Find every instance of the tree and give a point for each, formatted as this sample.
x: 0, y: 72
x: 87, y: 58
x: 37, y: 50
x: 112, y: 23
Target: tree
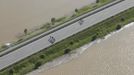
x: 53, y: 20
x: 25, y: 31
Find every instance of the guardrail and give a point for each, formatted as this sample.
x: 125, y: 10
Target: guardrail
x: 59, y: 27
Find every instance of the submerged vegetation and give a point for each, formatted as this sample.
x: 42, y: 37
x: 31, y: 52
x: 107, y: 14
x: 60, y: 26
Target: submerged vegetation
x: 90, y: 34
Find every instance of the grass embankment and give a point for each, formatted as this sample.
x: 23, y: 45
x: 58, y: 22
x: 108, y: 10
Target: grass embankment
x: 57, y: 22
x: 90, y: 34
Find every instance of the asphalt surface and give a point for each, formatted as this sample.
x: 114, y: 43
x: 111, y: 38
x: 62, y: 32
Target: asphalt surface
x: 60, y: 34
x: 53, y: 30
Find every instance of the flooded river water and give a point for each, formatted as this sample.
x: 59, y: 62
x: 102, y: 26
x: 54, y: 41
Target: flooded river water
x: 16, y: 15
x: 111, y: 56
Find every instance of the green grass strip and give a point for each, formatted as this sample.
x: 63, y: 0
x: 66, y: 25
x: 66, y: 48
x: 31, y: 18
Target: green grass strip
x: 90, y: 34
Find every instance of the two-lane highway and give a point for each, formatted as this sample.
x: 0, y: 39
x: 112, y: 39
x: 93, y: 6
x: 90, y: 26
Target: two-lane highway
x: 58, y: 35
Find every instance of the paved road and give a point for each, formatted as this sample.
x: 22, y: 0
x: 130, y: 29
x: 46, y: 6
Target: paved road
x: 46, y: 33
x: 37, y: 45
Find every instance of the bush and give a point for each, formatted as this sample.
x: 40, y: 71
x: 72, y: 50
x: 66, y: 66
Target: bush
x: 118, y: 27
x: 76, y: 10
x: 20, y: 40
x: 42, y: 56
x: 53, y: 20
x: 25, y: 31
x: 94, y: 37
x: 4, y: 46
x: 97, y: 1
x: 66, y: 51
x: 76, y: 40
x: 71, y: 43
x: 122, y: 19
x: 38, y: 64
x: 11, y: 71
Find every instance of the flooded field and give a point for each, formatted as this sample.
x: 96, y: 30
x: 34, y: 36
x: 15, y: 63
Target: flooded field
x: 113, y: 55
x: 16, y: 15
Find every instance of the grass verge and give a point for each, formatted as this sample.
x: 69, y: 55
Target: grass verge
x: 90, y: 34
x: 59, y: 21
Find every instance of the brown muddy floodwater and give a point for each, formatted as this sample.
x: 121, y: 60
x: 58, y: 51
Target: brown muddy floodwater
x: 16, y: 15
x: 111, y: 56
